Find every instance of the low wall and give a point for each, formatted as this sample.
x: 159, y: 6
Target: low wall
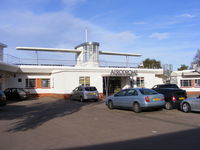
x: 193, y: 94
x: 65, y: 96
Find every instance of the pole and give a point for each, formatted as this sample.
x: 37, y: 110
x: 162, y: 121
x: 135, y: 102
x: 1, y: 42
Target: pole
x: 36, y: 56
x: 86, y: 35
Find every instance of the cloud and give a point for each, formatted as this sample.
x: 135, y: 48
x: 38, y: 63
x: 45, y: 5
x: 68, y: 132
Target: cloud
x: 186, y: 15
x: 56, y: 30
x: 159, y: 36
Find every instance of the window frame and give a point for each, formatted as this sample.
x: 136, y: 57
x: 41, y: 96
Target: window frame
x: 189, y: 83
x: 28, y: 83
x: 140, y: 82
x: 48, y: 83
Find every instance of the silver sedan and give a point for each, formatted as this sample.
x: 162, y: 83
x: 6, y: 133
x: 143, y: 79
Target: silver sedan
x: 190, y: 104
x: 136, y: 99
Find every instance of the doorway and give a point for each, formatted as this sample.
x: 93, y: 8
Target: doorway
x: 111, y: 85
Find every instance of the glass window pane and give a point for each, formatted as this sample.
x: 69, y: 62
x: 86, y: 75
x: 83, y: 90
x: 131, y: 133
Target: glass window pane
x: 45, y: 83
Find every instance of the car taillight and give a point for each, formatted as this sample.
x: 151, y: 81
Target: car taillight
x: 173, y: 98
x: 163, y: 98
x: 147, y: 99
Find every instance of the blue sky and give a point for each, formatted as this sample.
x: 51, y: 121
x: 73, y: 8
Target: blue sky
x: 165, y: 30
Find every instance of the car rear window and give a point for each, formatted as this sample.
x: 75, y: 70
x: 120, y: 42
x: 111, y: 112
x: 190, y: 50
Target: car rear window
x: 90, y: 89
x: 148, y: 92
x: 168, y: 86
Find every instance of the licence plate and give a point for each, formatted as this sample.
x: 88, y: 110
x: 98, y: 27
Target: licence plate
x: 156, y: 99
x: 91, y: 93
x: 181, y: 98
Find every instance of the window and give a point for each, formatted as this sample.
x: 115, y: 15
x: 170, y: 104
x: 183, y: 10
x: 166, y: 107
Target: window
x: 197, y: 82
x: 121, y: 93
x: 19, y: 80
x: 45, y: 83
x: 147, y: 92
x: 79, y: 89
x: 186, y: 83
x: 84, y: 81
x: 132, y: 92
x: 90, y: 89
x: 30, y: 83
x: 140, y: 81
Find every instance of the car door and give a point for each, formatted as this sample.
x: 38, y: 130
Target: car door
x: 80, y: 92
x: 119, y: 98
x: 196, y: 103
x: 8, y: 93
x: 74, y: 93
x: 15, y: 93
x: 130, y: 97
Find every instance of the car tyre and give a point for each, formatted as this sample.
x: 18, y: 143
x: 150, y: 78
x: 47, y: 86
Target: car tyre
x: 110, y: 105
x: 168, y: 106
x: 96, y: 100
x: 81, y: 99
x: 186, y: 107
x: 137, y: 108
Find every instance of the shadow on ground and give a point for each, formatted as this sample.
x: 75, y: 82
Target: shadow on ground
x: 30, y: 116
x: 184, y: 140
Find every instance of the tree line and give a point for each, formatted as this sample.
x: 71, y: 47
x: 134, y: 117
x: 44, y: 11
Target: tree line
x: 155, y: 64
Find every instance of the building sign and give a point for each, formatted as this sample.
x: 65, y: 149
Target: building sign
x: 122, y: 73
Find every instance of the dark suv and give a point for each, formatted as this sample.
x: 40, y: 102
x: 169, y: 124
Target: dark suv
x: 85, y: 93
x: 173, y: 94
x: 16, y: 94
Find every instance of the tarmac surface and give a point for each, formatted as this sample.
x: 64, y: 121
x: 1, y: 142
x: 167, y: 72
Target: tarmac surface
x: 58, y: 124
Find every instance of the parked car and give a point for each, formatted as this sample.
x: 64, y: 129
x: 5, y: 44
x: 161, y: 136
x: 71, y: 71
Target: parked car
x: 2, y: 98
x: 83, y: 93
x: 16, y: 94
x: 136, y: 99
x: 173, y: 95
x: 190, y: 104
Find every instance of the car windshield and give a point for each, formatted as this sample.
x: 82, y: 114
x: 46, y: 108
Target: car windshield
x: 21, y: 91
x: 148, y: 92
x: 90, y: 88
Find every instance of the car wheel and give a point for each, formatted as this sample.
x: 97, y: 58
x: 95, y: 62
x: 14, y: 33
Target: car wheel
x: 168, y: 106
x: 70, y: 97
x: 81, y: 99
x: 137, y: 108
x: 110, y: 104
x: 186, y: 107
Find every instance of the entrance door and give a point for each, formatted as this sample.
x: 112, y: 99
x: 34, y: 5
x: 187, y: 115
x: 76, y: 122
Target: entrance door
x: 111, y: 85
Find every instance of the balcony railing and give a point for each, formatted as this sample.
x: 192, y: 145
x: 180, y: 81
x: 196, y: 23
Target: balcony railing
x: 55, y: 62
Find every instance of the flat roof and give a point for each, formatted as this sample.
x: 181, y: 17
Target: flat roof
x: 2, y: 45
x: 87, y: 43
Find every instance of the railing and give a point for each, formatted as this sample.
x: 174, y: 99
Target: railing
x: 54, y: 62
x: 9, y: 59
x: 119, y: 64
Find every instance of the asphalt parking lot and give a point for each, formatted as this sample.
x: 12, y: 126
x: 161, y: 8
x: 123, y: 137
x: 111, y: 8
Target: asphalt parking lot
x: 57, y: 124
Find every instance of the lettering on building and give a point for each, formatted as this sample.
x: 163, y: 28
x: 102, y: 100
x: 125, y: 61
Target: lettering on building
x: 122, y: 73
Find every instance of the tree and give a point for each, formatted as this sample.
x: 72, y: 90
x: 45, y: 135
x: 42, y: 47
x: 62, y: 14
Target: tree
x: 151, y: 63
x: 183, y: 67
x: 196, y: 59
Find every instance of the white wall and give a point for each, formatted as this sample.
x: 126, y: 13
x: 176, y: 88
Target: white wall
x: 13, y: 82
x: 150, y: 79
x: 65, y: 82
